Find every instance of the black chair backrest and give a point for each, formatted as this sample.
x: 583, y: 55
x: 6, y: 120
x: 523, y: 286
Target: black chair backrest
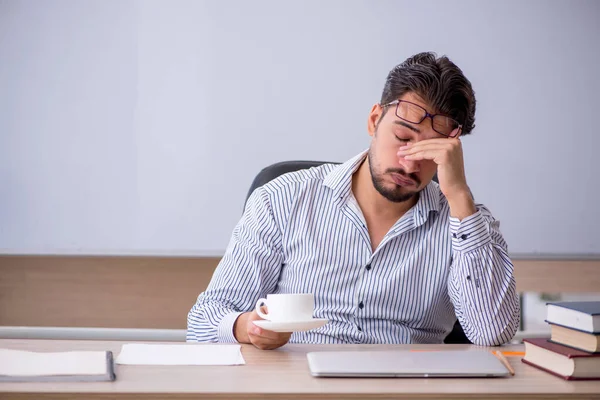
x: 274, y: 170
x: 457, y: 335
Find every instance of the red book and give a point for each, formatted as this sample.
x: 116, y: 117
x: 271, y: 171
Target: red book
x: 565, y: 362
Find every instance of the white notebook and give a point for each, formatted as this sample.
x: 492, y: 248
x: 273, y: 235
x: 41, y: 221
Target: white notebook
x: 80, y: 366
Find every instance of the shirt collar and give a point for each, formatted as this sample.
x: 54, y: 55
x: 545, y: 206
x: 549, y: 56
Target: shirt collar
x: 339, y: 179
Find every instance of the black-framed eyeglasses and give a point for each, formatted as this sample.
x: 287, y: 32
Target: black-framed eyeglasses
x: 415, y: 114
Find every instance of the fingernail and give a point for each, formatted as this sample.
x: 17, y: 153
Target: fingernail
x: 256, y: 330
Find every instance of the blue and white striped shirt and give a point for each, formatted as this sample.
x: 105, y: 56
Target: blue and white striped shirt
x: 304, y: 233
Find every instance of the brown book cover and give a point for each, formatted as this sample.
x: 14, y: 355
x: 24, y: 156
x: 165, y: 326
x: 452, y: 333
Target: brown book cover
x: 560, y: 349
x: 568, y: 378
x: 554, y: 358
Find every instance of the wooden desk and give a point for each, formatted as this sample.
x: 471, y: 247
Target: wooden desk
x: 284, y: 373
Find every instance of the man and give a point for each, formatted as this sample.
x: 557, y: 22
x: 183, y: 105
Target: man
x: 390, y: 255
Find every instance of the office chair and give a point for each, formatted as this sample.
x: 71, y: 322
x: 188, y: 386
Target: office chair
x: 457, y: 335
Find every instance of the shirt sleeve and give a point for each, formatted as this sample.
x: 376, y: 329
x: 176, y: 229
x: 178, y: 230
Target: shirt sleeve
x: 248, y: 271
x: 482, y: 283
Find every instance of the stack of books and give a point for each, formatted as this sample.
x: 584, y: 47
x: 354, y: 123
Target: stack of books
x: 573, y: 350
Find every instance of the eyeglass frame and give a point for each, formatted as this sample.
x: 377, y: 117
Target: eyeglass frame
x: 427, y: 115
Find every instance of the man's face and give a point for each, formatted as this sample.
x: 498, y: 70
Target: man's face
x: 395, y: 178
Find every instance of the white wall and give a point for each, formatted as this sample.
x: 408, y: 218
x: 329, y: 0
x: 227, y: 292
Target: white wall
x: 137, y: 126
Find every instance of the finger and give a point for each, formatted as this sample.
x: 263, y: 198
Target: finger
x: 440, y: 144
x: 427, y: 142
x: 254, y: 315
x: 280, y: 341
x: 266, y: 343
x: 422, y: 146
x: 417, y: 148
x: 423, y: 155
x: 279, y: 338
x: 263, y: 333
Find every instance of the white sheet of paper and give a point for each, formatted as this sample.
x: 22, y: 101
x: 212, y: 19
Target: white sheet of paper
x: 180, y: 354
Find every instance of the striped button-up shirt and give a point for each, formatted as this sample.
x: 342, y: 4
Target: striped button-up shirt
x: 304, y: 232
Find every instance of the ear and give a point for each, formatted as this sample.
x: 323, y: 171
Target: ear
x: 374, y: 117
x: 458, y: 135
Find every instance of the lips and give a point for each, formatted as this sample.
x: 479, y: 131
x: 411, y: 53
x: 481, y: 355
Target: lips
x: 402, y: 181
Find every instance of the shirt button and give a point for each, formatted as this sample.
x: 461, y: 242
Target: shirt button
x: 463, y: 237
x: 454, y: 235
x: 361, y: 305
x: 359, y: 328
x: 368, y: 267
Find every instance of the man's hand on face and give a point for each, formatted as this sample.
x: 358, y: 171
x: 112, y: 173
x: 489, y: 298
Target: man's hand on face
x: 447, y: 154
x: 246, y: 332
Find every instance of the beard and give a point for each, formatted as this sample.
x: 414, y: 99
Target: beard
x: 395, y: 193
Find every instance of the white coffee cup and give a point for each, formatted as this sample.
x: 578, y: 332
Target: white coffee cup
x: 287, y: 307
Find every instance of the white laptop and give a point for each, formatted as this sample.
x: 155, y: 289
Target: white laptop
x: 406, y: 363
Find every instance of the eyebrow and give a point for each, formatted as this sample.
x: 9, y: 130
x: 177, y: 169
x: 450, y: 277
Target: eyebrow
x: 412, y: 128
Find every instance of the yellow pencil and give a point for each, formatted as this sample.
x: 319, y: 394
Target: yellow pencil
x: 513, y: 353
x: 504, y: 361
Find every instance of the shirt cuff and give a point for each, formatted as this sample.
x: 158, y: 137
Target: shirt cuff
x: 470, y: 233
x: 225, y: 330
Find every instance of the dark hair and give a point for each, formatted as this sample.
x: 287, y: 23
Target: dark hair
x: 439, y: 82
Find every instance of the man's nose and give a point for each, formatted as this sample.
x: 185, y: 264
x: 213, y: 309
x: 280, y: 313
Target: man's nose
x: 410, y: 166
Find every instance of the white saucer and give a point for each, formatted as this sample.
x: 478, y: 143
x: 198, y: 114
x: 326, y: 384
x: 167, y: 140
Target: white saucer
x: 295, y: 326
